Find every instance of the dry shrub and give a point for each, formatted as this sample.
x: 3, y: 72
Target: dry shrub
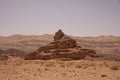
x: 115, y: 67
x: 103, y: 75
x: 78, y: 66
x: 50, y: 64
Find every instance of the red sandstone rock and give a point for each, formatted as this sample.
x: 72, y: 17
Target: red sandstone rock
x: 62, y: 47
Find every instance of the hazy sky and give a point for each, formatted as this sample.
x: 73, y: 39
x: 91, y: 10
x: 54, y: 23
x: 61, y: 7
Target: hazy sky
x: 75, y: 17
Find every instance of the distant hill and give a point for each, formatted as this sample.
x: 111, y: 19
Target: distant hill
x: 28, y: 43
x: 6, y: 54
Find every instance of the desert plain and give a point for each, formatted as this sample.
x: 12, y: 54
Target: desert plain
x: 59, y: 70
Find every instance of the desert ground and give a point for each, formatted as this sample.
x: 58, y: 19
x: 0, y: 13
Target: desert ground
x: 59, y: 70
x: 103, y: 66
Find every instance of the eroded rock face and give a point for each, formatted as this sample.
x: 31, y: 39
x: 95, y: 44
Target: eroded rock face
x: 61, y: 41
x: 58, y: 35
x: 62, y: 47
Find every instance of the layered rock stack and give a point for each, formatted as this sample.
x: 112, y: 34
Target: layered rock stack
x: 62, y: 47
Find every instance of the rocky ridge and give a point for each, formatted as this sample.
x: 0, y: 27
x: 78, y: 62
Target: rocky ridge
x: 63, y: 46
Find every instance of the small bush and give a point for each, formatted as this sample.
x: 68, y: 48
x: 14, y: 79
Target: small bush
x: 114, y: 68
x: 78, y: 66
x: 62, y: 65
x: 103, y: 75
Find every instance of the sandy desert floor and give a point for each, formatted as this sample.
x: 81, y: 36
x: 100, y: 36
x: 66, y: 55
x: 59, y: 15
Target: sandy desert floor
x: 59, y: 70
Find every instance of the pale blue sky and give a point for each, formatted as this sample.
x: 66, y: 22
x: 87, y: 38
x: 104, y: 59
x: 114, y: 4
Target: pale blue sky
x: 75, y: 17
